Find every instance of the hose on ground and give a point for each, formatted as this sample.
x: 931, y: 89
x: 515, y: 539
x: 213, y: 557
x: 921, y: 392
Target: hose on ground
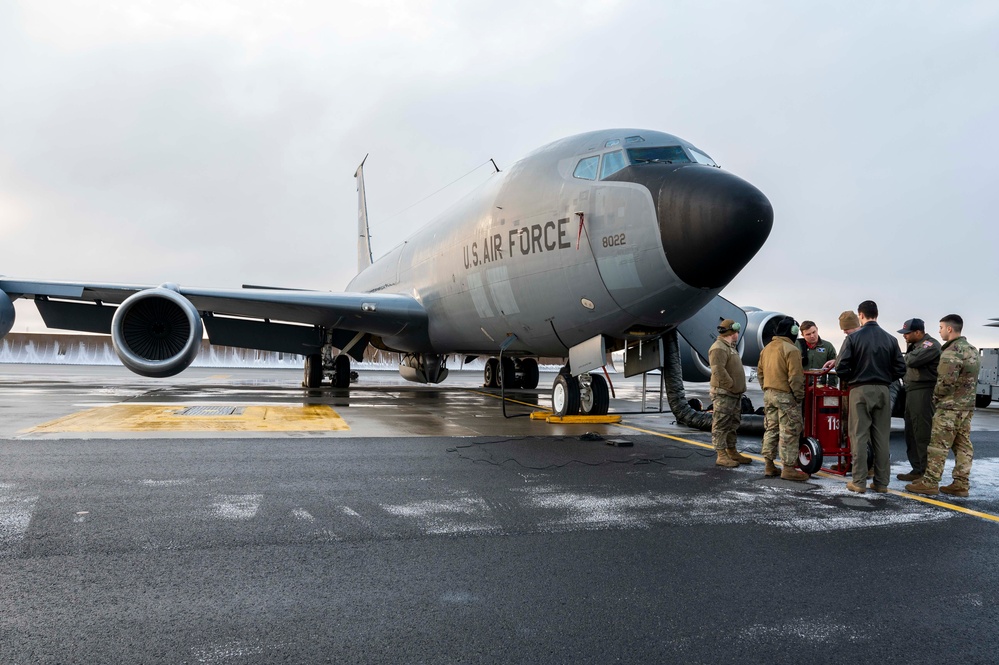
x: 676, y: 396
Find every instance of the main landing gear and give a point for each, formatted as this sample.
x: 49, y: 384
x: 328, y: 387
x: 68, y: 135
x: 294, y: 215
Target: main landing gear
x: 315, y: 369
x: 519, y: 373
x: 586, y: 394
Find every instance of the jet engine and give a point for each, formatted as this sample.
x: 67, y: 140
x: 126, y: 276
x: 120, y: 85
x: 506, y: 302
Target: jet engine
x: 695, y: 368
x: 759, y: 332
x: 423, y: 367
x: 157, y: 332
x: 6, y: 314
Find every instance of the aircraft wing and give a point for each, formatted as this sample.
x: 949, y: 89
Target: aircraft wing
x: 237, y: 317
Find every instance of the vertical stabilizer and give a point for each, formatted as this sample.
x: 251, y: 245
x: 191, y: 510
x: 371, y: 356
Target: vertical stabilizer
x: 363, y: 233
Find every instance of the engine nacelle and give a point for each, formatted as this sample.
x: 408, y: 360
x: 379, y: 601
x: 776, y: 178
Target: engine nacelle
x: 7, y: 314
x: 759, y: 332
x: 157, y: 332
x: 695, y: 368
x: 423, y: 368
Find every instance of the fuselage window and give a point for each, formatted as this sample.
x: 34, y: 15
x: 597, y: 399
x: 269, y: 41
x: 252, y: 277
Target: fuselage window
x: 587, y: 168
x: 669, y: 154
x: 701, y: 158
x: 613, y: 162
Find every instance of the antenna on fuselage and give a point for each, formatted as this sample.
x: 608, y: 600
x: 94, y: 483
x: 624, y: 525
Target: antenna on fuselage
x: 363, y: 232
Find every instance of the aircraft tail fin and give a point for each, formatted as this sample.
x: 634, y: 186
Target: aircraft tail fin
x: 363, y: 233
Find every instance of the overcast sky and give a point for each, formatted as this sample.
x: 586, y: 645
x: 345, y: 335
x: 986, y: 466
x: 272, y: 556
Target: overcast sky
x: 213, y: 143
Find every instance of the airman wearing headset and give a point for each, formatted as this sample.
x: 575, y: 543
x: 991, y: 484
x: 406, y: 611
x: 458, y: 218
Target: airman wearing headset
x: 783, y: 382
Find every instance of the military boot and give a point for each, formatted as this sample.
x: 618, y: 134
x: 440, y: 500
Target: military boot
x: 922, y: 486
x: 770, y: 469
x: 736, y: 456
x: 912, y: 475
x: 790, y: 473
x: 955, y: 490
x: 725, y: 460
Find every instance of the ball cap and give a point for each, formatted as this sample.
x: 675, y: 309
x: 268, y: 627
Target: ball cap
x: 912, y: 324
x: 728, y: 326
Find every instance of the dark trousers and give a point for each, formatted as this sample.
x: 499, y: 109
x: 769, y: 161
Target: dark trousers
x: 870, y: 423
x: 918, y: 424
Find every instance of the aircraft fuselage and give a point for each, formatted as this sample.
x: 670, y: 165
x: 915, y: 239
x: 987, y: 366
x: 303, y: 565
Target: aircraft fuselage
x: 579, y: 238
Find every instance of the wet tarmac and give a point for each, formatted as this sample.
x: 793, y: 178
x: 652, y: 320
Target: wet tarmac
x: 431, y: 528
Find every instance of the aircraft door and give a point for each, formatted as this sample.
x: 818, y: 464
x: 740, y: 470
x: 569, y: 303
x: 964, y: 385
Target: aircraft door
x: 621, y: 231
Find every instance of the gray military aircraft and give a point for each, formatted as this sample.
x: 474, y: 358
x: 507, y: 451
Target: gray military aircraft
x: 602, y: 241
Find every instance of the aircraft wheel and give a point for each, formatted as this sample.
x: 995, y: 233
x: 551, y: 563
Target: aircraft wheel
x: 313, y: 371
x: 509, y: 373
x: 341, y: 371
x: 529, y: 367
x: 565, y: 395
x: 983, y: 401
x: 809, y: 455
x: 595, y: 401
x: 491, y: 373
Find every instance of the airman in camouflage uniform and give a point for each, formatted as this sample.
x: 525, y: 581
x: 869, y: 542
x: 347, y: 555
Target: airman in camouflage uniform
x: 728, y: 383
x: 783, y: 381
x: 954, y: 399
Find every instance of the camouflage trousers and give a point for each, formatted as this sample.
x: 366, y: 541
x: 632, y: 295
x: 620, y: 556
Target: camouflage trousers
x: 951, y: 429
x: 726, y: 415
x: 782, y: 419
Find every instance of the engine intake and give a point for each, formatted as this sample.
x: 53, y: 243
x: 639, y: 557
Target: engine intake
x: 6, y: 314
x: 759, y: 331
x: 156, y: 332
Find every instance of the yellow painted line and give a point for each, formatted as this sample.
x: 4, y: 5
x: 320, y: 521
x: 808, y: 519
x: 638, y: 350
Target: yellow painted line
x: 906, y: 495
x: 508, y: 399
x: 759, y: 458
x: 163, y: 418
x: 948, y: 506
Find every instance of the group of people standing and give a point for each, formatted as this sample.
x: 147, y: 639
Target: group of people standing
x: 939, y: 383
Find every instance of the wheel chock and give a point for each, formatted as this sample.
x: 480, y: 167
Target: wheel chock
x: 549, y: 417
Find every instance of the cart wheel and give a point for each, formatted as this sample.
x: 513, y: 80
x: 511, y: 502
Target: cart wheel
x: 695, y: 404
x: 809, y: 455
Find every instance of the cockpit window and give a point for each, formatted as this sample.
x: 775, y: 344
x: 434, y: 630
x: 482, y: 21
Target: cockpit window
x: 670, y: 154
x: 612, y: 142
x: 587, y: 168
x: 701, y: 158
x: 613, y: 162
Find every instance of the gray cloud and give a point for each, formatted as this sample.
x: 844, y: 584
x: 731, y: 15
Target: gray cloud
x: 214, y: 144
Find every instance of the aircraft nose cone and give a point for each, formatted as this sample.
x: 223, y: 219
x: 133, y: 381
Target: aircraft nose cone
x: 712, y: 223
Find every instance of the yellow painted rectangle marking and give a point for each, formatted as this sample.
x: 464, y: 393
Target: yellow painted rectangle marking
x: 164, y: 418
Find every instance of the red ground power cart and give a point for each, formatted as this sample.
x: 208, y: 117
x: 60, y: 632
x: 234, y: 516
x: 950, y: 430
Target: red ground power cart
x: 824, y: 437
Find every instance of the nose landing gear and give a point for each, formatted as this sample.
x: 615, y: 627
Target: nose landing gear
x: 586, y: 394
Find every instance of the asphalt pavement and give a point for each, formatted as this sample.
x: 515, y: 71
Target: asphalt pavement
x: 518, y: 542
